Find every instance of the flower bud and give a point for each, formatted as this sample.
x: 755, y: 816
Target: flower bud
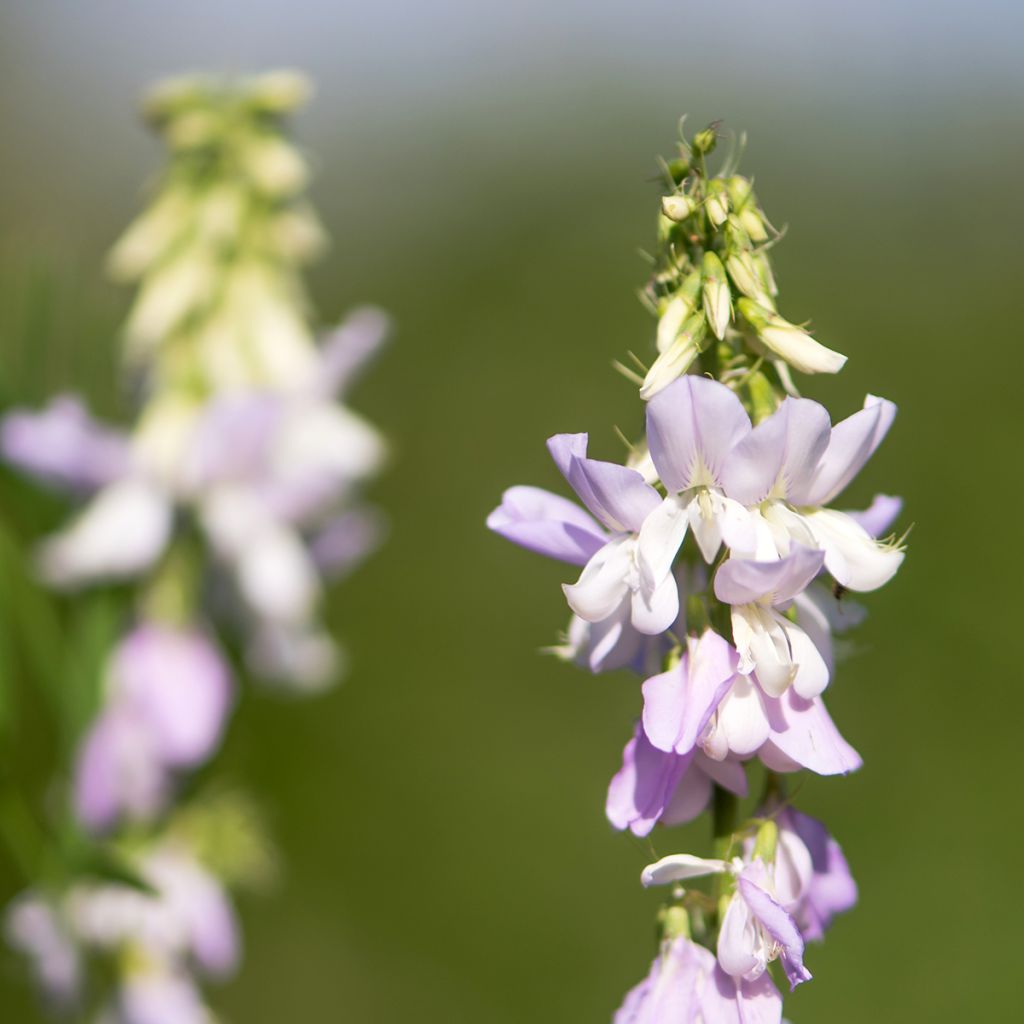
x: 677, y: 207
x: 274, y: 166
x: 741, y: 191
x: 744, y: 272
x: 677, y: 358
x: 705, y: 141
x: 767, y: 841
x: 717, y: 203
x: 278, y: 92
x: 753, y: 223
x: 677, y: 309
x: 788, y: 341
x: 717, y: 296
x: 675, y: 921
x: 678, y: 169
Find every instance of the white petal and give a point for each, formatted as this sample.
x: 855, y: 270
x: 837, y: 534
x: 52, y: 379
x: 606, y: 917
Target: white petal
x: 660, y: 538
x: 852, y: 555
x: 654, y: 611
x: 602, y: 584
x: 741, y: 947
x: 121, y: 532
x: 678, y: 866
x: 277, y: 577
x: 742, y: 718
x: 812, y: 673
x: 704, y: 521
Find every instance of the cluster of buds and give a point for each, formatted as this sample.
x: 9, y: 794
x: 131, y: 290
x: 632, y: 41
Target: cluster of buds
x: 731, y: 633
x: 713, y: 289
x: 234, y: 497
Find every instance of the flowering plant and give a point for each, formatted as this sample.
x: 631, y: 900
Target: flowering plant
x: 221, y: 513
x: 715, y: 568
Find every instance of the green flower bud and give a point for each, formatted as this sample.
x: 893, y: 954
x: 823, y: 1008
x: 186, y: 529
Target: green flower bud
x: 753, y: 223
x: 717, y: 203
x: 274, y: 166
x: 788, y: 341
x: 678, y: 169
x: 677, y: 207
x: 717, y: 297
x: 705, y: 141
x: 767, y: 841
x: 677, y: 309
x: 763, y: 398
x: 279, y: 92
x: 675, y: 922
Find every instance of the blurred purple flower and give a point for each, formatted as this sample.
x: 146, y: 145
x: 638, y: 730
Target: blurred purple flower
x: 170, y: 692
x: 64, y: 446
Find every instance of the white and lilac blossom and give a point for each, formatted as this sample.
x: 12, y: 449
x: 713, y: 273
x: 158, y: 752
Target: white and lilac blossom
x: 687, y: 986
x: 756, y: 928
x: 791, y: 465
x: 768, y: 642
x: 35, y: 925
x: 692, y: 426
x: 169, y: 694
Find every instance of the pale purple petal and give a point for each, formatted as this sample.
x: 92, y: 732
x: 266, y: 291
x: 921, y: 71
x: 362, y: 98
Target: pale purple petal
x: 691, y: 427
x: 64, y: 446
x: 643, y: 787
x: 779, y: 456
x: 778, y: 923
x: 618, y: 496
x: 832, y: 889
x: 547, y: 524
x: 852, y: 443
x: 349, y: 348
x: 804, y: 734
x: 565, y: 447
x: 691, y: 797
x: 118, y: 771
x: 728, y: 774
x: 678, y: 703
x: 670, y: 994
x: 879, y: 515
x: 161, y: 996
x: 727, y: 1000
x: 178, y: 686
x: 741, y: 581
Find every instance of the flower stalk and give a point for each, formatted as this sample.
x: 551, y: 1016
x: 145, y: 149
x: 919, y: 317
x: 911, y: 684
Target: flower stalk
x: 710, y: 568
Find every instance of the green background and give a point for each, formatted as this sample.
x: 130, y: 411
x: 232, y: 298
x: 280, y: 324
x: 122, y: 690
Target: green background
x: 440, y: 815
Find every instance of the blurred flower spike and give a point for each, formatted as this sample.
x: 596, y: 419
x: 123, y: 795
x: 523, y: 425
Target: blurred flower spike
x: 222, y: 512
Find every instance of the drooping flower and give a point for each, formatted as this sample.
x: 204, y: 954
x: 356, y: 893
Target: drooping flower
x: 756, y: 928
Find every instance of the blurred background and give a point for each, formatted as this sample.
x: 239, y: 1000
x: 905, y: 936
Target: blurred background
x: 486, y: 172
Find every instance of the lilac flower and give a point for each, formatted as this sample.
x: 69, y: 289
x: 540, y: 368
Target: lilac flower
x: 686, y: 986
x: 653, y: 786
x: 159, y: 995
x: 692, y: 426
x: 169, y: 696
x: 791, y: 465
x: 756, y: 928
x: 64, y: 446
x: 604, y: 542
x: 769, y: 643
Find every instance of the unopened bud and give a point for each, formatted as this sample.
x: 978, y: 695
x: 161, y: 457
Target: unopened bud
x: 676, y: 359
x: 279, y: 92
x: 677, y: 207
x: 678, y: 170
x: 677, y: 310
x: 753, y: 223
x: 675, y: 922
x: 788, y: 341
x: 740, y: 191
x: 763, y: 399
x: 717, y: 297
x: 767, y: 841
x: 744, y: 272
x: 717, y: 204
x: 705, y: 141
x: 275, y: 166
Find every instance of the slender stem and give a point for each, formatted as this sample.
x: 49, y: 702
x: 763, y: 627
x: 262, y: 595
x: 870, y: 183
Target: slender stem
x: 725, y: 808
